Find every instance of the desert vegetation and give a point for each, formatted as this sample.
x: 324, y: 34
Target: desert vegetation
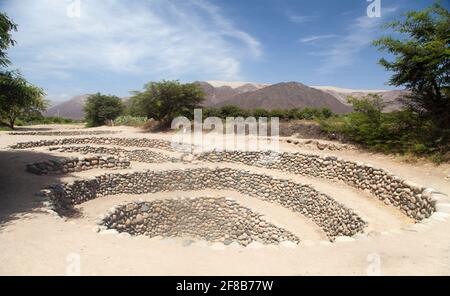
x: 18, y: 97
x: 165, y: 100
x: 422, y: 65
x: 102, y: 109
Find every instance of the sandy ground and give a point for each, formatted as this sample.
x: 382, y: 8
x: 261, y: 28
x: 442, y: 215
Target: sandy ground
x: 35, y: 242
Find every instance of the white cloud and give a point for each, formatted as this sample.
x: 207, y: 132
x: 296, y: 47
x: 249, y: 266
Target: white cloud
x: 300, y: 19
x: 165, y: 38
x: 227, y: 28
x: 317, y: 37
x: 360, y: 34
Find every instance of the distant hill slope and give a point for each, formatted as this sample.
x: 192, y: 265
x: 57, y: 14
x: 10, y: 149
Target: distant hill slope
x: 248, y: 95
x: 72, y: 108
x: 286, y: 95
x: 390, y: 97
x: 236, y: 84
x: 215, y: 95
x: 220, y: 91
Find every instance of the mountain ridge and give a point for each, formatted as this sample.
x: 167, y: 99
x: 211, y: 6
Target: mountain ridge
x: 249, y: 95
x: 286, y: 95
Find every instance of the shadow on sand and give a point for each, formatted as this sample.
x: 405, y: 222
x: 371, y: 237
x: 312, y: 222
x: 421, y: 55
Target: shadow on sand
x: 19, y: 188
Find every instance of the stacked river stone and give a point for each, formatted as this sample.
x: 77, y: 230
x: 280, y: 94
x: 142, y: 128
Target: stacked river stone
x: 208, y: 218
x: 331, y: 216
x: 127, y: 142
x: 403, y: 194
x: 141, y: 155
x: 76, y: 164
x: 63, y: 133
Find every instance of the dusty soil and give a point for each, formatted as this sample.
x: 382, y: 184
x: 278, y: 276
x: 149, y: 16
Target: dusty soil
x: 35, y: 242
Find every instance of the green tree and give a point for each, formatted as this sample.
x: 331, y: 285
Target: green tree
x: 212, y: 112
x: 6, y: 26
x: 100, y: 109
x: 422, y: 61
x: 18, y: 97
x: 326, y: 112
x: 366, y: 124
x: 259, y: 112
x: 280, y: 113
x: 308, y: 113
x: 370, y: 106
x: 165, y: 100
x: 233, y: 111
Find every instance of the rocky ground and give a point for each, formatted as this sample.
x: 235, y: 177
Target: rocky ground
x: 77, y: 164
x: 209, y: 218
x: 141, y: 155
x: 35, y: 241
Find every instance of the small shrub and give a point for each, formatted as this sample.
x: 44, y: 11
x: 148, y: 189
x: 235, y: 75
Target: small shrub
x: 5, y: 128
x: 130, y: 120
x: 233, y: 111
x: 152, y: 125
x: 419, y: 148
x: 212, y: 112
x: 402, y: 132
x: 438, y: 158
x: 260, y: 113
x: 281, y: 114
x: 39, y: 119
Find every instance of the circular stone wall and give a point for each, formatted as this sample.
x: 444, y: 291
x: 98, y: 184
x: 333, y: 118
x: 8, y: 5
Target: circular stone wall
x: 63, y: 133
x: 410, y: 198
x: 126, y: 142
x: 211, y: 219
x: 77, y: 164
x: 334, y: 218
x: 140, y: 155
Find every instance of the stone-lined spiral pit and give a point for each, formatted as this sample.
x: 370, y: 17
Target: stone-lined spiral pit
x: 207, y: 218
x: 321, y: 145
x: 410, y: 198
x: 126, y: 142
x: 141, y: 155
x: 77, y: 164
x: 334, y: 218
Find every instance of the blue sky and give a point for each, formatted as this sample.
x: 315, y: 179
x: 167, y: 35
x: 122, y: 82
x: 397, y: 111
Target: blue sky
x: 115, y: 46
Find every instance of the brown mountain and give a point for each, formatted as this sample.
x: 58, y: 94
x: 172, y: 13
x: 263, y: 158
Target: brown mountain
x: 215, y: 95
x: 248, y: 87
x: 216, y: 92
x: 72, y: 108
x: 391, y: 97
x: 286, y: 95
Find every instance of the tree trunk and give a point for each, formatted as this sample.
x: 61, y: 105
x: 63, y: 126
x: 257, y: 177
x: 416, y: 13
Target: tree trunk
x: 11, y: 122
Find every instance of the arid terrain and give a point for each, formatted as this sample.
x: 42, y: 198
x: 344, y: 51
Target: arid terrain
x: 251, y: 95
x: 36, y: 240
